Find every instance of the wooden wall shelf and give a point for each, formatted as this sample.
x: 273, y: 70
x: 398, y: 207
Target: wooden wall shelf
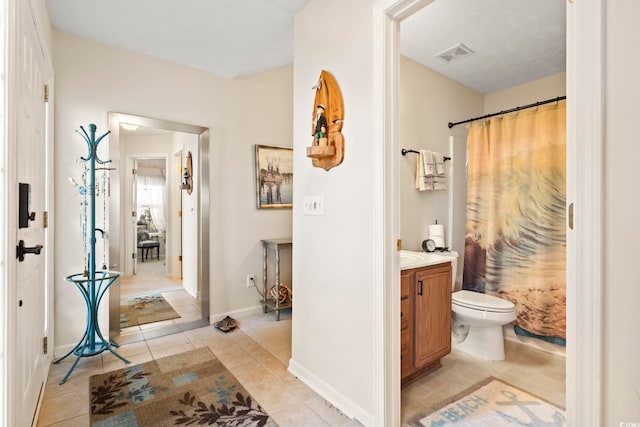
x: 318, y: 152
x: 327, y: 147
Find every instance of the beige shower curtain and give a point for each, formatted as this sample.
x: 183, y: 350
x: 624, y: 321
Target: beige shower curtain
x: 515, y: 237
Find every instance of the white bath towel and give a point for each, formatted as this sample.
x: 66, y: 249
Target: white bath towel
x: 420, y: 182
x: 429, y: 162
x: 439, y: 178
x: 424, y: 171
x: 438, y: 159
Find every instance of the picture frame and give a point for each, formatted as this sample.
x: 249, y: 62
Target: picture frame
x: 274, y: 177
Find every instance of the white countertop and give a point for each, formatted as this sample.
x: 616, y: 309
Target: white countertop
x: 411, y: 259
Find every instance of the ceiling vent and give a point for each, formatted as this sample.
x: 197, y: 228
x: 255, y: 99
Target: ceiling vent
x: 455, y: 53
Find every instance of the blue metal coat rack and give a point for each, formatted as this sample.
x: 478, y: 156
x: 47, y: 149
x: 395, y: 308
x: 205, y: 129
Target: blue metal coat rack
x: 93, y: 283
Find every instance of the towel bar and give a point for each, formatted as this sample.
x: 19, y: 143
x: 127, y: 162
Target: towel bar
x: 404, y: 152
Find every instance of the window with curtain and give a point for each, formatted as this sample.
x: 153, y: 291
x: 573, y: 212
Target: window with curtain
x: 152, y: 197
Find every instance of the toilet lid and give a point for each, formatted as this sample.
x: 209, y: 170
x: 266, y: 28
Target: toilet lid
x: 478, y: 301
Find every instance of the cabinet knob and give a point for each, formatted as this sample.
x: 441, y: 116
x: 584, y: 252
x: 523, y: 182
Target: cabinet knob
x: 401, y: 314
x: 420, y: 288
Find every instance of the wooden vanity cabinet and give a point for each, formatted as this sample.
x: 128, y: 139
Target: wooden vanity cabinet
x: 425, y: 310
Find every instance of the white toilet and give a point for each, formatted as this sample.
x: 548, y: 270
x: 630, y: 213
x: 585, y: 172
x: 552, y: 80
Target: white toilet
x: 477, y: 322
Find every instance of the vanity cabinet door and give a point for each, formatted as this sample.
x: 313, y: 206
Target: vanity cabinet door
x: 432, y: 314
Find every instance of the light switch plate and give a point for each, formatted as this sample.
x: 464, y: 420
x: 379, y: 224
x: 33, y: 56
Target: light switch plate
x: 313, y: 205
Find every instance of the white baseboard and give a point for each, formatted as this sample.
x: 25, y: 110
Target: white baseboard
x: 62, y: 350
x: 243, y: 313
x: 333, y: 396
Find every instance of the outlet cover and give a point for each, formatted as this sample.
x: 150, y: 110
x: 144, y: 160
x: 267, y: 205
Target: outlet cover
x: 250, y: 280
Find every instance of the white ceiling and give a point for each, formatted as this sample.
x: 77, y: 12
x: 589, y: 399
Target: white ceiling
x: 514, y: 40
x: 226, y: 37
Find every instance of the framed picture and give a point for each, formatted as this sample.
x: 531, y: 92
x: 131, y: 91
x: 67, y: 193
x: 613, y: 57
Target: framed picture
x: 274, y: 177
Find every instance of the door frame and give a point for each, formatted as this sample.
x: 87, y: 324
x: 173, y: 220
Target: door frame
x: 585, y: 64
x: 115, y: 214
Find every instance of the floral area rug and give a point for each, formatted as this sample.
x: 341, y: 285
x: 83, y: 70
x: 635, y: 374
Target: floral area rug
x: 144, y: 309
x: 492, y: 403
x: 192, y: 388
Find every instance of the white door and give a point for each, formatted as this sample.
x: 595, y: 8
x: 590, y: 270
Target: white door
x: 30, y: 361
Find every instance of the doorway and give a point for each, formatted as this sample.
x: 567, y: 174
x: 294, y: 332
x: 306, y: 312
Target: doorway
x: 584, y: 95
x: 150, y: 225
x: 148, y: 241
x: 426, y: 112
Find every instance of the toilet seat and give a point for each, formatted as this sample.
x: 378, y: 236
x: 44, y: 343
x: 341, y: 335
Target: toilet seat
x: 483, y: 302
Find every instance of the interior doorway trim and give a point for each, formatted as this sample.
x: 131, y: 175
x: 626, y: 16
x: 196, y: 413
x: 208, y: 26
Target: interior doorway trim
x: 116, y: 256
x: 585, y: 29
x: 387, y: 15
x: 585, y: 171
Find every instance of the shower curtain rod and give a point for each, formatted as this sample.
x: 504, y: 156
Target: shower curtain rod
x: 535, y: 104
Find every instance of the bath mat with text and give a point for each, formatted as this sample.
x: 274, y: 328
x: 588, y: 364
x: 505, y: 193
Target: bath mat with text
x: 492, y: 403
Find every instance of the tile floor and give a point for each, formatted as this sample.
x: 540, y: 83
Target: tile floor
x: 274, y: 336
x: 256, y: 354
x: 527, y: 368
x: 151, y: 277
x: 285, y: 398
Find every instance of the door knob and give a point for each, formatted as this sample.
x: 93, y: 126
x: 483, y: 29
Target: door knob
x: 22, y: 250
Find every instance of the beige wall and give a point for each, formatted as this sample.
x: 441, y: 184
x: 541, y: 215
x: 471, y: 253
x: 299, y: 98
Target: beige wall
x: 621, y: 296
x: 332, y: 332
x: 427, y: 102
x: 527, y: 93
x: 93, y: 79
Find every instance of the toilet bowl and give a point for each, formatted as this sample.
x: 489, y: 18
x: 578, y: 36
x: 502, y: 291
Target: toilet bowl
x: 477, y: 322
